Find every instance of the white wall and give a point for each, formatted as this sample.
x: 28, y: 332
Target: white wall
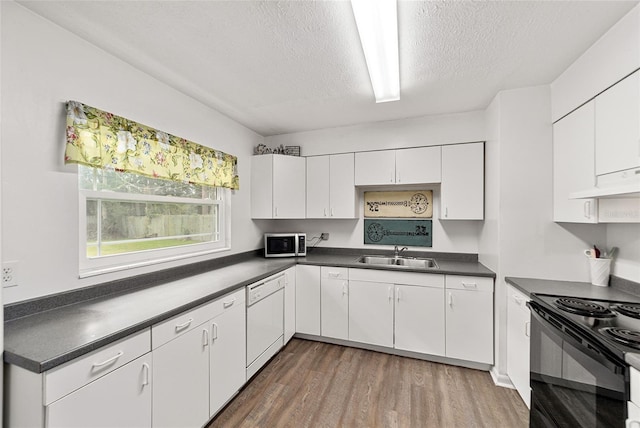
x: 43, y: 66
x: 448, y: 236
x: 526, y: 242
x: 627, y: 261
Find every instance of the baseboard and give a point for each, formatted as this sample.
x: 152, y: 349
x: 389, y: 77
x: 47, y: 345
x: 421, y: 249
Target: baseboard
x: 500, y: 379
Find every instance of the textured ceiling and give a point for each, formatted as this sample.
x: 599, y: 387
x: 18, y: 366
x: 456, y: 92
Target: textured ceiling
x: 287, y: 66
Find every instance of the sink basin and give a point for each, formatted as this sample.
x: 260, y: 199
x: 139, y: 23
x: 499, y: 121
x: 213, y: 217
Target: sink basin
x: 412, y: 262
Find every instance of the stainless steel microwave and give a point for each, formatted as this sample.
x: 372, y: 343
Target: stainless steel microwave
x: 285, y: 244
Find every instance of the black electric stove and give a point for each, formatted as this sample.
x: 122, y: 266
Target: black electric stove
x: 615, y: 324
x: 578, y: 372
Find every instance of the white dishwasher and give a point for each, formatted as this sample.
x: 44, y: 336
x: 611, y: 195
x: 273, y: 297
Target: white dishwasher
x: 265, y: 321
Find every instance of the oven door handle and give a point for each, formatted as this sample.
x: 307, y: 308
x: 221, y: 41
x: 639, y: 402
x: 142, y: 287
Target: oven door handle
x: 578, y: 339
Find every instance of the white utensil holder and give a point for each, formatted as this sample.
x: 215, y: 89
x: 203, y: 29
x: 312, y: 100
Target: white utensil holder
x: 599, y: 270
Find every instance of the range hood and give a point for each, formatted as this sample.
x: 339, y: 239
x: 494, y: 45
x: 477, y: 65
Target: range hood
x: 631, y: 190
x: 621, y: 184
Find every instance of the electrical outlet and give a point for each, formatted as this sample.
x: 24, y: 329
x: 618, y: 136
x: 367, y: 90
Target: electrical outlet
x: 9, y: 274
x: 324, y: 236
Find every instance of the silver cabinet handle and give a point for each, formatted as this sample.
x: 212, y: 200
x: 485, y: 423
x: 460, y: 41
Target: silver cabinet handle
x: 214, y: 329
x: 345, y: 290
x: 390, y: 293
x: 527, y: 329
x: 398, y: 294
x: 205, y: 337
x: 331, y: 211
x: 325, y: 211
x: 587, y: 209
x: 446, y: 211
x: 450, y: 300
x: 228, y: 303
x: 334, y: 274
x: 145, y: 376
x: 275, y: 212
x: 180, y: 327
x: 469, y: 285
x: 108, y: 361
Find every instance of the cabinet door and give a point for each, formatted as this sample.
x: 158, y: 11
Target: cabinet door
x: 618, y: 126
x: 371, y: 312
x: 181, y: 380
x: 419, y: 319
x: 121, y: 398
x: 462, y: 189
x: 318, y: 178
x: 228, y: 352
x: 518, y: 332
x: 308, y: 299
x: 334, y: 302
x: 375, y: 168
x: 418, y: 165
x: 469, y: 325
x: 289, y: 304
x: 343, y: 202
x: 262, y: 186
x: 573, y: 166
x: 289, y: 188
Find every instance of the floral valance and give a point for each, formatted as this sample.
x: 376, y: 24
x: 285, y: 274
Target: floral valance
x: 103, y: 140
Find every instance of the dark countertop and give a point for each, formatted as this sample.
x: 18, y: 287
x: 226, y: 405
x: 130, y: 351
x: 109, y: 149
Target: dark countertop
x: 582, y: 290
x: 44, y: 340
x: 47, y: 339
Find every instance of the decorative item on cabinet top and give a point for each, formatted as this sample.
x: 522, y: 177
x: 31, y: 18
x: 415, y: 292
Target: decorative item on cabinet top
x: 404, y: 204
x: 262, y: 149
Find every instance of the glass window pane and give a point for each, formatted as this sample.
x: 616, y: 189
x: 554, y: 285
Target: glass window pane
x: 127, y: 226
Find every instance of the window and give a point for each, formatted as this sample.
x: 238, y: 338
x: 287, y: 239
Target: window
x: 129, y: 220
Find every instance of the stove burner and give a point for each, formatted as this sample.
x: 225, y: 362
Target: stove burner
x: 624, y: 336
x: 629, y: 309
x: 583, y: 307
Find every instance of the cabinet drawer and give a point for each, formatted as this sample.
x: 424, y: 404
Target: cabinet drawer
x: 397, y: 277
x: 517, y: 298
x: 471, y: 283
x: 68, y: 377
x: 327, y: 272
x: 180, y: 324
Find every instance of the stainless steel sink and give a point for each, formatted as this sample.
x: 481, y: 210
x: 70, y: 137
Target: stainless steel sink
x: 412, y: 262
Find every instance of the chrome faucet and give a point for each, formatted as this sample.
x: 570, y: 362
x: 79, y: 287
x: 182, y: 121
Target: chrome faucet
x: 396, y: 251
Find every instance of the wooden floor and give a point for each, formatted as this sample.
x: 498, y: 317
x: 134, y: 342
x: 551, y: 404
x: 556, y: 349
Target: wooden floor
x: 312, y: 384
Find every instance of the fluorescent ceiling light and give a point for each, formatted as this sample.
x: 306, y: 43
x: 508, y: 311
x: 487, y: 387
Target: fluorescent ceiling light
x: 377, y: 22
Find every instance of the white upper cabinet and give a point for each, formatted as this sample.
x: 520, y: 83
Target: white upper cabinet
x: 331, y: 191
x: 405, y: 166
x: 375, y: 168
x: 462, y: 190
x: 278, y: 186
x: 618, y: 126
x: 418, y: 165
x: 573, y: 166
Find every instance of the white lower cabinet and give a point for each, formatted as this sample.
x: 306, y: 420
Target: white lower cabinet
x: 308, y: 299
x: 289, y: 304
x: 334, y: 302
x: 199, y: 362
x: 518, y: 333
x: 228, y: 371
x: 120, y: 399
x: 419, y: 319
x: 109, y: 387
x: 181, y: 380
x: 469, y: 318
x: 371, y: 312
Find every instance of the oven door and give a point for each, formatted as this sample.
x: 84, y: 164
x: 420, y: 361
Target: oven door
x: 575, y: 381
